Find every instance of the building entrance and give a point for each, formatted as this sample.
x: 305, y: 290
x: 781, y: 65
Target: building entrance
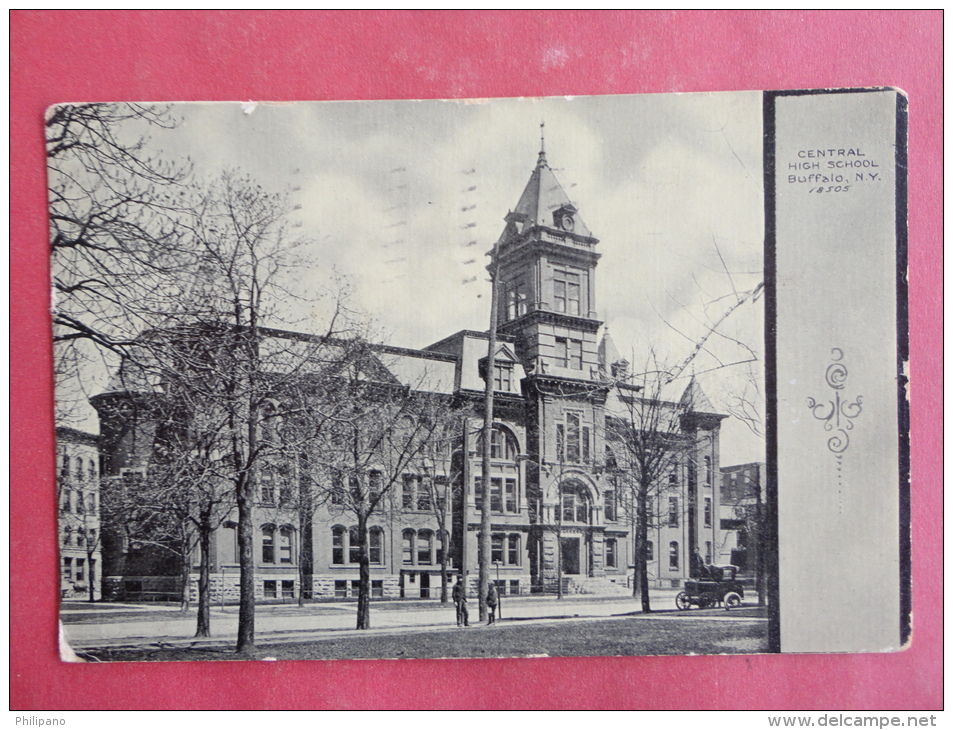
x: 569, y: 552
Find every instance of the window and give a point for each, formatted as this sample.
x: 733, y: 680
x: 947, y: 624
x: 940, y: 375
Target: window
x: 708, y: 552
x: 375, y: 482
x: 407, y: 495
x: 516, y: 300
x: 575, y: 503
x: 92, y: 470
x: 673, y: 511
x: 67, y: 536
x: 81, y: 537
x: 673, y: 555
x: 649, y: 550
x: 513, y: 550
x: 707, y: 471
x: 566, y: 291
x: 610, y: 510
x: 611, y: 553
x: 66, y: 506
x: 285, y: 544
x: 496, y: 548
x: 441, y: 484
x: 79, y: 469
x: 267, y: 486
x: 337, y: 490
x: 707, y: 511
x: 268, y: 544
x: 424, y: 503
x: 496, y: 496
x: 672, y: 480
x: 337, y: 545
x: 271, y: 589
x: 340, y: 589
x: 80, y: 504
x: 354, y: 546
x: 502, y: 445
x: 287, y: 589
x: 68, y: 568
x: 442, y: 537
x: 80, y: 573
x: 64, y: 467
x: 92, y: 541
x: 573, y: 439
x: 503, y: 376
x: 511, y: 501
x: 478, y: 492
x: 568, y: 353
x: 377, y: 589
x: 376, y: 547
x: 407, y: 547
x: 285, y: 490
x: 354, y: 486
x: 424, y: 547
x: 91, y: 503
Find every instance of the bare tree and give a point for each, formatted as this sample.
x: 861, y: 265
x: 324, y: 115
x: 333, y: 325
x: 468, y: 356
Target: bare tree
x: 649, y: 435
x: 114, y: 241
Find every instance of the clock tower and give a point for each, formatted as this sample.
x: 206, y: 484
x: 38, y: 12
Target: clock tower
x: 546, y: 279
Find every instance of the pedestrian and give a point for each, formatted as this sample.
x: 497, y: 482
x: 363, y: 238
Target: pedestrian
x: 460, y: 601
x: 492, y: 600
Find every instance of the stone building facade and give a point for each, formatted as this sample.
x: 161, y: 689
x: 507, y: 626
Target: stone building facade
x: 561, y: 520
x: 77, y: 485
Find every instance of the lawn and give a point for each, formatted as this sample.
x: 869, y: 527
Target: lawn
x: 633, y: 636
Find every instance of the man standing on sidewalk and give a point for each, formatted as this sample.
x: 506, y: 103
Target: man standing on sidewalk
x: 460, y: 601
x: 492, y: 599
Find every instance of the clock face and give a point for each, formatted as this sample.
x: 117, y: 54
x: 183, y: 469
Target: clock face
x: 568, y: 222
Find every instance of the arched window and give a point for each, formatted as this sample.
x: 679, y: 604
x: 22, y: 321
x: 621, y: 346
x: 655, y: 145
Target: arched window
x: 503, y: 444
x: 376, y: 546
x: 425, y: 547
x: 231, y: 543
x: 92, y: 469
x: 67, y: 536
x: 64, y: 467
x: 268, y: 544
x: 80, y: 475
x: 91, y: 503
x: 407, y: 547
x: 81, y: 537
x: 337, y: 545
x: 286, y: 544
x: 575, y: 502
x: 80, y: 504
x: 707, y: 471
x: 67, y: 505
x: 673, y: 555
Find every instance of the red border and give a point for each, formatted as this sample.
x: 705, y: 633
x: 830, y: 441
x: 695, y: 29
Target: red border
x: 59, y: 56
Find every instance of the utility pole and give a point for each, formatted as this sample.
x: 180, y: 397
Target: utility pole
x: 484, y: 552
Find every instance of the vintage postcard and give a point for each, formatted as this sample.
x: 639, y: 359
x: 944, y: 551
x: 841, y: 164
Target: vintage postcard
x: 591, y: 376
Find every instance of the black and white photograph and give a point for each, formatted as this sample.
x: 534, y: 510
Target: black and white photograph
x: 438, y: 379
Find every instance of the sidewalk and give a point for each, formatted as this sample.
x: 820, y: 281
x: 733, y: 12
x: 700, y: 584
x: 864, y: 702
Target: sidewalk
x: 323, y: 620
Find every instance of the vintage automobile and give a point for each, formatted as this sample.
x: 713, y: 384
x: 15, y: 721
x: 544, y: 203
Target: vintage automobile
x: 718, y: 586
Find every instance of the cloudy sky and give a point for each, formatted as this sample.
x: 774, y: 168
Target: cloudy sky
x: 394, y: 195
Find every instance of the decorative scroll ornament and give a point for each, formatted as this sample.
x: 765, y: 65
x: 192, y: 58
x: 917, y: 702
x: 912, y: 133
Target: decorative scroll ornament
x: 838, y: 414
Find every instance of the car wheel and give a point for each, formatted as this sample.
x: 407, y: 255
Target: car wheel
x: 707, y: 600
x: 682, y: 602
x: 732, y: 600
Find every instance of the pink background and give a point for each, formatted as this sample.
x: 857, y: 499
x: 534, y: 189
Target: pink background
x: 61, y: 56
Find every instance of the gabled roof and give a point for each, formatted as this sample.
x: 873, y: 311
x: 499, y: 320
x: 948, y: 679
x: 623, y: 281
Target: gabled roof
x: 695, y: 400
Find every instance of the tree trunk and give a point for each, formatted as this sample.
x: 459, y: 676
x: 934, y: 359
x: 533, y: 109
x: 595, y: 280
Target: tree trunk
x: 203, y: 626
x: 364, y: 590
x: 643, y: 538
x: 185, y: 596
x: 246, y: 557
x: 444, y: 557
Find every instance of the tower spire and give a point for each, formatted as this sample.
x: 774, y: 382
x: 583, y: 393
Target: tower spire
x: 542, y: 144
